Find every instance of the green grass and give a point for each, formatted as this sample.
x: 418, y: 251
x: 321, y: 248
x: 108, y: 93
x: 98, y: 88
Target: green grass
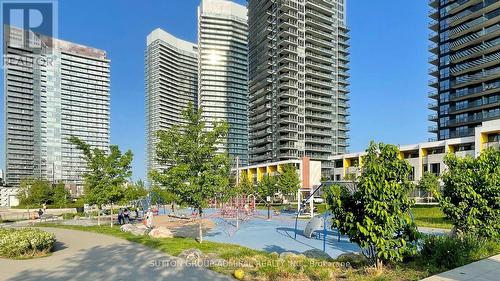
x: 262, y: 265
x: 430, y: 216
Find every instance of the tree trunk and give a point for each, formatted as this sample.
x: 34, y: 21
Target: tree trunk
x: 111, y: 217
x: 268, y: 211
x: 98, y: 216
x: 379, y: 264
x: 200, y: 230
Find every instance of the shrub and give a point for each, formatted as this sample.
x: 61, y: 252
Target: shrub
x: 471, y: 193
x: 26, y: 242
x: 451, y: 252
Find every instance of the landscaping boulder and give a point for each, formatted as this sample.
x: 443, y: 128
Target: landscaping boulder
x: 161, y: 232
x: 134, y: 229
x: 354, y: 259
x: 287, y: 254
x: 316, y: 254
x: 191, y: 254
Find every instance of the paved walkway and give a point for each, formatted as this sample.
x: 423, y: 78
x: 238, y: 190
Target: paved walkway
x: 90, y: 256
x: 483, y: 270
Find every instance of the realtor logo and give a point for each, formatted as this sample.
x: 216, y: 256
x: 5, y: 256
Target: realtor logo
x: 29, y: 24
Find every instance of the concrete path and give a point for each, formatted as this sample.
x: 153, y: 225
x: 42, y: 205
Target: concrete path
x: 483, y: 270
x: 91, y: 256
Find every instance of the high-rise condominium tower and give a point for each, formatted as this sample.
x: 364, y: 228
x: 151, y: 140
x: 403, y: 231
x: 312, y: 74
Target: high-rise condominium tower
x: 60, y: 92
x: 465, y: 47
x: 171, y: 84
x: 223, y: 70
x: 298, y: 79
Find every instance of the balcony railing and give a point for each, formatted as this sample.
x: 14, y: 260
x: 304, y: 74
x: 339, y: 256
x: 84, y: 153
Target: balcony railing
x: 490, y: 58
x: 476, y: 49
x: 474, y: 36
x: 478, y: 103
x: 478, y: 76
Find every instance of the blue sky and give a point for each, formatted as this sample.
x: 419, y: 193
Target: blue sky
x: 388, y: 64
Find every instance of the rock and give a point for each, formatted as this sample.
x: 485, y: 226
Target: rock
x: 191, y: 254
x: 161, y: 232
x: 316, y: 254
x: 134, y: 229
x: 287, y: 254
x: 126, y: 227
x: 354, y: 259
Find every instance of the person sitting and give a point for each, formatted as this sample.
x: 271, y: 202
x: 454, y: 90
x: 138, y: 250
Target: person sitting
x: 120, y: 216
x: 126, y: 215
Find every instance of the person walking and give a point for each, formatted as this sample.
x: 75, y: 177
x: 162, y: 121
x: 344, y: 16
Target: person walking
x: 149, y: 218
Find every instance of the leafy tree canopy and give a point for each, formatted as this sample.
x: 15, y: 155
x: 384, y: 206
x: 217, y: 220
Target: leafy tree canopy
x: 196, y: 169
x: 107, y: 172
x: 376, y: 213
x: 289, y: 180
x: 471, y: 193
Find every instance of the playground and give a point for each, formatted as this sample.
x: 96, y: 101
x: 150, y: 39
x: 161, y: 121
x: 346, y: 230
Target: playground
x: 279, y: 235
x: 240, y: 222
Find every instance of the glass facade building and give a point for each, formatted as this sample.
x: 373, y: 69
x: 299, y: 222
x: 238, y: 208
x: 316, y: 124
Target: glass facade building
x: 465, y: 65
x: 298, y: 95
x: 171, y: 75
x: 223, y: 71
x: 61, y: 92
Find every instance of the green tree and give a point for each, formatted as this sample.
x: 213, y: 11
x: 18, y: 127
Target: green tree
x: 289, y: 180
x: 429, y: 182
x: 34, y: 192
x: 471, y: 193
x: 60, y: 195
x: 195, y: 171
x: 267, y: 188
x: 134, y: 191
x: 245, y: 184
x: 107, y: 172
x: 375, y: 213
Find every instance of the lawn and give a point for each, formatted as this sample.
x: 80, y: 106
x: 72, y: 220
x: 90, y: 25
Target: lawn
x: 262, y: 265
x: 430, y: 216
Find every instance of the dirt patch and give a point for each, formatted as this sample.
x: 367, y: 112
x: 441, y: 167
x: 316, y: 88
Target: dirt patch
x: 183, y: 227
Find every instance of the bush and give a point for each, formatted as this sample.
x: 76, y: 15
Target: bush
x: 451, y: 252
x: 26, y: 242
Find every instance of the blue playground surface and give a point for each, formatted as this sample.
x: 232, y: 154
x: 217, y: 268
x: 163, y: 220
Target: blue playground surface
x: 276, y: 235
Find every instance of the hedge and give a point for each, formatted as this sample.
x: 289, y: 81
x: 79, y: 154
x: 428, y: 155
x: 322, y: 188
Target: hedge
x: 25, y: 242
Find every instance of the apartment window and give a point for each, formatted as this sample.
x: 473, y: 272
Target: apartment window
x: 444, y: 85
x: 444, y: 73
x: 443, y: 121
x: 443, y: 36
x: 444, y: 134
x: 425, y: 168
x: 444, y: 97
x: 444, y: 48
x: 444, y: 60
x: 411, y: 176
x: 435, y: 168
x: 444, y: 109
x: 443, y: 24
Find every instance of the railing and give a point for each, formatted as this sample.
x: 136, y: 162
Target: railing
x: 475, y: 49
x: 474, y: 36
x: 478, y: 103
x: 487, y: 59
x: 477, y: 76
